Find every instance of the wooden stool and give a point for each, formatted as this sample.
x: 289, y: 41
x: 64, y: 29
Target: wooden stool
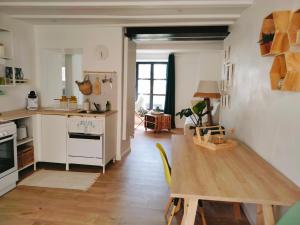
x: 157, y: 122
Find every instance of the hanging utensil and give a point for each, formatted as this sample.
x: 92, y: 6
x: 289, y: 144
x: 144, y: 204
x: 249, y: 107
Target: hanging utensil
x: 97, y: 87
x: 85, y: 86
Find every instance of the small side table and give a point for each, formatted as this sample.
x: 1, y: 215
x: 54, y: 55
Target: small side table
x: 157, y: 122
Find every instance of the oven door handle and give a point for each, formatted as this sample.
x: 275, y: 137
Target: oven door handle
x: 11, y: 137
x: 84, y: 136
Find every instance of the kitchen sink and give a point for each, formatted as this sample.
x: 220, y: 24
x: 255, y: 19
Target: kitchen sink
x: 58, y: 109
x: 91, y: 112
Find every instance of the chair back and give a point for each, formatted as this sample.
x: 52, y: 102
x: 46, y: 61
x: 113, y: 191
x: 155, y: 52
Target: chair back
x: 164, y: 158
x: 292, y: 216
x: 139, y: 103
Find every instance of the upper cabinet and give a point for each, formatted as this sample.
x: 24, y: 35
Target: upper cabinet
x: 274, y: 38
x: 294, y: 28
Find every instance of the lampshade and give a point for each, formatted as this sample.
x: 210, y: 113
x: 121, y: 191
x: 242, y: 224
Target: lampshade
x: 208, y: 89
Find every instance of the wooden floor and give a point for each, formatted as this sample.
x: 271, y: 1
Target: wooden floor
x: 132, y: 192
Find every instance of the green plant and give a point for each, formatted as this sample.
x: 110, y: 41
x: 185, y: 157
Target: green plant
x: 266, y: 38
x: 195, y: 113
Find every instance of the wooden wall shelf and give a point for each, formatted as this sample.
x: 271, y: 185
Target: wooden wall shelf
x: 275, y: 24
x: 285, y: 72
x: 294, y: 28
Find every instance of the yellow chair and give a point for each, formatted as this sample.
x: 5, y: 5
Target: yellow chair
x: 175, y: 201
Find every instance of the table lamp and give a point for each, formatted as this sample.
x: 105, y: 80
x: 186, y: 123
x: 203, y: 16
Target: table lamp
x: 208, y: 89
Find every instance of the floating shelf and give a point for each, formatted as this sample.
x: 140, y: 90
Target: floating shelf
x: 24, y: 141
x: 275, y: 25
x: 18, y: 81
x: 285, y: 72
x: 6, y: 58
x: 7, y: 85
x: 4, y: 29
x: 13, y: 83
x: 294, y: 28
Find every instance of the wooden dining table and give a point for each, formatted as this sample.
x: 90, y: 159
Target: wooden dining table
x: 237, y: 175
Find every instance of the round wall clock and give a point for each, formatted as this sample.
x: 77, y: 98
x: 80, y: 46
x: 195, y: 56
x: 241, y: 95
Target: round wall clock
x: 101, y: 52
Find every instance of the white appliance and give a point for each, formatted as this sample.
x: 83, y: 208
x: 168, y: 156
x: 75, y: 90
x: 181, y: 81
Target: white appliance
x: 85, y: 143
x: 8, y: 157
x: 32, y: 101
x: 21, y: 133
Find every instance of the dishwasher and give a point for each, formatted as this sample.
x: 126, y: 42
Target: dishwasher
x: 85, y: 144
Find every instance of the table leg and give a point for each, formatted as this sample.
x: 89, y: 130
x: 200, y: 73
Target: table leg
x: 237, y: 211
x: 190, y: 209
x: 268, y: 215
x: 259, y: 215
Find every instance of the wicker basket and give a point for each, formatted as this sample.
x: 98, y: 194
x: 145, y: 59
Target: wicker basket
x: 25, y: 156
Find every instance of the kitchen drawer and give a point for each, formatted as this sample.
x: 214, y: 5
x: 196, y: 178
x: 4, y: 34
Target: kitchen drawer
x: 85, y: 161
x: 85, y: 147
x: 86, y: 125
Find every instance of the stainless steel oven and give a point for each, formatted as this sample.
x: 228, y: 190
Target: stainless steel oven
x: 8, y: 156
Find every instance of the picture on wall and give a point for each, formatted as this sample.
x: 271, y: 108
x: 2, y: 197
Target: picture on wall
x: 226, y: 83
x: 228, y: 73
x: 227, y: 54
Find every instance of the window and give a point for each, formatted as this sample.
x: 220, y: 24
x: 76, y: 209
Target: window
x: 152, y: 83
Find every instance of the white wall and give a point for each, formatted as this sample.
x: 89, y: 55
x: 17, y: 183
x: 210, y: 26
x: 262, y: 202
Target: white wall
x: 87, y: 38
x: 51, y: 85
x: 24, y: 57
x: 77, y: 75
x: 266, y: 120
x: 194, y: 61
x: 189, y: 69
x: 156, y: 56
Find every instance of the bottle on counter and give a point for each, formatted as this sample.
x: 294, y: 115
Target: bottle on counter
x: 87, y: 105
x: 108, y: 106
x: 63, y: 102
x: 73, y: 103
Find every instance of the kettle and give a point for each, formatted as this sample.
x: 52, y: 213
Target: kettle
x: 32, y: 101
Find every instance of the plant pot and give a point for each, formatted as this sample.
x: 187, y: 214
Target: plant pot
x: 268, y: 46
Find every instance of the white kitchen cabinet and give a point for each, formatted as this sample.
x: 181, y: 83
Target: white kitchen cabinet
x: 91, y: 140
x: 53, y: 138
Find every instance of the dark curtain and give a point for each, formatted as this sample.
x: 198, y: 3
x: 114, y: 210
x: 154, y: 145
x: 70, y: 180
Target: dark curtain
x: 170, y: 95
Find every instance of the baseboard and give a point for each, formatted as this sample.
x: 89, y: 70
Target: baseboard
x: 248, y: 214
x: 127, y: 151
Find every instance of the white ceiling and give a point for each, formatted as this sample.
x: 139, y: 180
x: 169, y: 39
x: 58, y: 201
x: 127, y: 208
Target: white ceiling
x: 127, y: 12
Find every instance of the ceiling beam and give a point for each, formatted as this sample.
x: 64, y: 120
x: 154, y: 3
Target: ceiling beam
x: 126, y: 23
x: 178, y: 33
x: 188, y: 3
x: 130, y: 17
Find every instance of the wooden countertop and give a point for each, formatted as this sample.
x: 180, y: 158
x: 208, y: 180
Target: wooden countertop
x: 236, y: 175
x: 23, y: 113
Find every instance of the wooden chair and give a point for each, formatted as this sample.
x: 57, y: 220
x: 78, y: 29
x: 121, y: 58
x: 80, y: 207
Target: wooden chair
x: 140, y: 112
x: 175, y: 201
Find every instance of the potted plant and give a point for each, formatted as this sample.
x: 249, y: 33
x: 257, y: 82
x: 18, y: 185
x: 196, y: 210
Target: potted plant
x: 195, y: 113
x: 267, y: 40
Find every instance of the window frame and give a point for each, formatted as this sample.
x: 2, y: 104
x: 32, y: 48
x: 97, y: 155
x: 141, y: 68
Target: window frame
x: 152, y: 63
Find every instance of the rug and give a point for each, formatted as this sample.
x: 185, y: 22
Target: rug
x: 61, y: 179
